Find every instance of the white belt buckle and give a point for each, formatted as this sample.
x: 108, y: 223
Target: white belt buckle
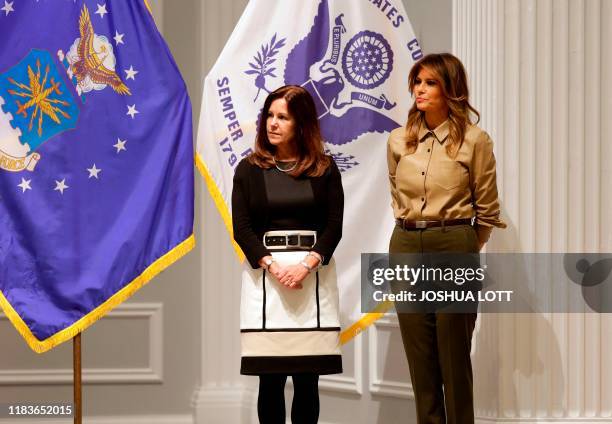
x: 420, y: 224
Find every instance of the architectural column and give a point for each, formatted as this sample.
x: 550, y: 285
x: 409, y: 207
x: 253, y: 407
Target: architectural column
x: 223, y: 396
x: 540, y: 74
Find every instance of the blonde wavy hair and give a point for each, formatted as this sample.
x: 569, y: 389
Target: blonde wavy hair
x: 450, y: 74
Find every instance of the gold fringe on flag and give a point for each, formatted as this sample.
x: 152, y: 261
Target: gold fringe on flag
x: 122, y: 295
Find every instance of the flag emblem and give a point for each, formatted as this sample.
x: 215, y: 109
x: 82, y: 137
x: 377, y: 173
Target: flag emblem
x: 314, y: 63
x: 91, y: 60
x: 37, y: 105
x: 367, y: 60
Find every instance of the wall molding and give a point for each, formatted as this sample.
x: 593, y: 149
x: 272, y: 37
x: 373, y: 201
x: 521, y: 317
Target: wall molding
x: 378, y: 385
x: 151, y: 374
x: 214, y: 404
x: 339, y: 383
x: 343, y: 383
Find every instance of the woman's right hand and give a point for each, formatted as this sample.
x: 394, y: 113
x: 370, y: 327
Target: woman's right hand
x: 279, y: 272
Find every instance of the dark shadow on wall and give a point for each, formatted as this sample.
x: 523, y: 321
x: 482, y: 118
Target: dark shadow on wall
x: 516, y: 357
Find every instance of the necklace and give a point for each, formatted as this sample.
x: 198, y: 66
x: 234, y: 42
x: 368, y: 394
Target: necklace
x: 289, y: 169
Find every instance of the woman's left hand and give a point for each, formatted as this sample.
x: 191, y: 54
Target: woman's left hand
x: 294, y: 276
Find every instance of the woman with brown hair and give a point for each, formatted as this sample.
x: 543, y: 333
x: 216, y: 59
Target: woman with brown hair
x: 444, y: 198
x: 287, y: 208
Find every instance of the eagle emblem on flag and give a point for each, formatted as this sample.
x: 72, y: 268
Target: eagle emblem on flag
x: 341, y: 79
x: 90, y: 61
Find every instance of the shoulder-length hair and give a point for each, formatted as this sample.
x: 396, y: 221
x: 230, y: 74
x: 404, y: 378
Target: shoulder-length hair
x: 312, y: 160
x: 451, y: 75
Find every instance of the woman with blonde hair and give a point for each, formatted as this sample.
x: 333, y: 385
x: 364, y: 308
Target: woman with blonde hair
x: 444, y: 199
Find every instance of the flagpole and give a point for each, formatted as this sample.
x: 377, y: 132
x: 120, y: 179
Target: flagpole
x: 76, y: 362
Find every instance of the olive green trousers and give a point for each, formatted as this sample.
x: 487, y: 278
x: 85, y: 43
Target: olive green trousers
x: 438, y: 345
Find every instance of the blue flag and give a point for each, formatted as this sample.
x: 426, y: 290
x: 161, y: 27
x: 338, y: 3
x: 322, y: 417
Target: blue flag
x: 96, y: 162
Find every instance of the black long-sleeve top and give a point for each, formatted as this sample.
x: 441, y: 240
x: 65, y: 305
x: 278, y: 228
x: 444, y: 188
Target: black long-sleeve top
x: 252, y: 213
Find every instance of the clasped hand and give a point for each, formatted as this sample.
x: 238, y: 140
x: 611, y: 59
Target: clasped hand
x: 290, y: 276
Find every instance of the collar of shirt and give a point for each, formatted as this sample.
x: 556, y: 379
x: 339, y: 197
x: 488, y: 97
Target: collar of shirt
x: 440, y: 133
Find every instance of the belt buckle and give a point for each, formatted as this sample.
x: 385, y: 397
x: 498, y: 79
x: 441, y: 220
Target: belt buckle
x: 293, y: 240
x: 420, y: 224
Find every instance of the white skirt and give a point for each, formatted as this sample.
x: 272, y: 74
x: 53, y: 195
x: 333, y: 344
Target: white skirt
x: 290, y: 331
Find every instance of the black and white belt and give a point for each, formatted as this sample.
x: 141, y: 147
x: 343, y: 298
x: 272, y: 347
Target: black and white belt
x: 290, y: 239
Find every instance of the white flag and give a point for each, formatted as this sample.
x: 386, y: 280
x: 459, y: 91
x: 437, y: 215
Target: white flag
x: 353, y: 56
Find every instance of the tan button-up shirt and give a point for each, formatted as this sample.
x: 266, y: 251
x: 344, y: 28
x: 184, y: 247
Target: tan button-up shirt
x: 430, y: 185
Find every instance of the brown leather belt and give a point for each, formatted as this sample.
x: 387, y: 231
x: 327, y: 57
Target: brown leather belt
x: 407, y: 224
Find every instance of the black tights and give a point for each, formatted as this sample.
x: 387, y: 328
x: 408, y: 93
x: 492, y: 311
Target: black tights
x: 271, y: 400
